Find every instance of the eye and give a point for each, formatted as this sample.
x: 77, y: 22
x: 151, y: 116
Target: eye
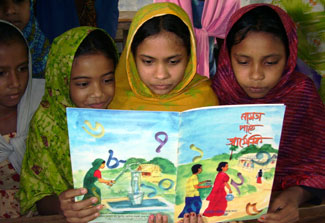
x: 147, y: 62
x: 23, y: 69
x: 271, y: 62
x: 108, y: 80
x: 174, y: 62
x: 242, y: 62
x: 2, y: 73
x: 82, y: 84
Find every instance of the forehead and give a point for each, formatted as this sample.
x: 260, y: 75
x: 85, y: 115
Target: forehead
x: 259, y: 43
x: 162, y: 42
x: 13, y: 48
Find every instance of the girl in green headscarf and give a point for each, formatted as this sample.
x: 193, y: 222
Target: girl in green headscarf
x: 92, y: 176
x: 79, y: 73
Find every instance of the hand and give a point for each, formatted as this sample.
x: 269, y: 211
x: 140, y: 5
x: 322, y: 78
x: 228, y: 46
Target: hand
x: 192, y: 218
x: 81, y: 211
x: 158, y: 219
x: 283, y: 209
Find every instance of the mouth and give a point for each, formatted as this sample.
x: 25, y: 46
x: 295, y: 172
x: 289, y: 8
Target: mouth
x: 14, y: 96
x: 98, y: 105
x: 161, y: 86
x: 257, y: 90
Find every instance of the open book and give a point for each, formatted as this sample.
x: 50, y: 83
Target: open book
x: 145, y: 162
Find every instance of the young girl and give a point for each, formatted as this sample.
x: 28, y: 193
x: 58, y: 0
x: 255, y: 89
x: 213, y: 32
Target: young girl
x: 79, y: 73
x: 157, y: 70
x: 257, y: 66
x: 19, y: 99
x: 21, y: 14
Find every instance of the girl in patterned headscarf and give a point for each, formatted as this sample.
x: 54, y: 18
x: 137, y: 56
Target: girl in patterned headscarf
x: 21, y: 14
x: 256, y: 65
x: 79, y: 73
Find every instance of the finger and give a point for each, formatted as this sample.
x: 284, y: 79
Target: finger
x: 83, y: 212
x: 151, y: 219
x: 70, y: 210
x: 159, y: 218
x: 193, y: 218
x: 69, y: 194
x: 187, y: 218
x: 165, y: 219
x: 199, y: 218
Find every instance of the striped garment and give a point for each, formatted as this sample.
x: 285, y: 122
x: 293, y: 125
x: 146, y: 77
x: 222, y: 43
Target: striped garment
x: 301, y: 158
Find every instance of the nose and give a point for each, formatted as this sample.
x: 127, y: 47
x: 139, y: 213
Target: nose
x: 96, y: 91
x: 257, y: 73
x: 13, y: 80
x: 10, y: 8
x: 162, y: 72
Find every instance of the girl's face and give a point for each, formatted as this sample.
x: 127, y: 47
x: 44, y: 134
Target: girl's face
x: 258, y: 62
x: 161, y: 61
x: 225, y: 168
x: 92, y: 83
x: 16, y: 12
x: 13, y: 73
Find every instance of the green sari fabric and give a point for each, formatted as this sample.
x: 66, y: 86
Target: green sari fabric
x: 46, y: 168
x: 90, y: 180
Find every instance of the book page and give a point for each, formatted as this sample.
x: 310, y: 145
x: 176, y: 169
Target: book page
x: 133, y: 153
x: 237, y: 148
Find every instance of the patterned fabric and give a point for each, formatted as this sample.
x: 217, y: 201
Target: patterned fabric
x: 9, y: 184
x: 301, y: 158
x: 39, y: 45
x: 46, y: 166
x: 131, y: 93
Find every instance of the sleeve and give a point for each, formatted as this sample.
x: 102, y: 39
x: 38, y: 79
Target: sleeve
x: 98, y: 174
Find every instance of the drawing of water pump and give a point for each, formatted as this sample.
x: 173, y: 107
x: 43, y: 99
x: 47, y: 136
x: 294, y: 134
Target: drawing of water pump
x: 135, y: 194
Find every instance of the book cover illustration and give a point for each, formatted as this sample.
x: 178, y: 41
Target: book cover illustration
x: 139, y: 162
x: 126, y: 159
x: 237, y: 148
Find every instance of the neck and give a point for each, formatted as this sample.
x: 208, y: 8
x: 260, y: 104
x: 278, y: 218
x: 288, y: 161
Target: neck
x: 7, y: 112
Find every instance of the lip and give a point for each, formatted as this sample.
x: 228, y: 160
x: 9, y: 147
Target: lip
x: 98, y: 105
x: 161, y: 86
x: 256, y: 89
x: 14, y: 96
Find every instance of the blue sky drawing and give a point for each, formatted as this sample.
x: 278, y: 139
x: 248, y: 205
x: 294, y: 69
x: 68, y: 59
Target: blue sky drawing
x: 209, y: 129
x: 128, y: 134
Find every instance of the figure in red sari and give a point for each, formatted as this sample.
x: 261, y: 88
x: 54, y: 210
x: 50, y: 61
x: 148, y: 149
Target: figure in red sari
x: 217, y: 197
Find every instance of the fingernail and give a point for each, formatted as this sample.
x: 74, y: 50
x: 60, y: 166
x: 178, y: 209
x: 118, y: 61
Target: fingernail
x: 152, y: 217
x: 94, y: 200
x: 186, y: 215
x: 99, y: 207
x: 199, y: 215
x: 83, y: 190
x: 193, y: 214
x: 97, y: 214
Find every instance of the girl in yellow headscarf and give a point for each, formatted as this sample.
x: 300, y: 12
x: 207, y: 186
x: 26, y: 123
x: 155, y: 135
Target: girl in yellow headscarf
x: 157, y: 70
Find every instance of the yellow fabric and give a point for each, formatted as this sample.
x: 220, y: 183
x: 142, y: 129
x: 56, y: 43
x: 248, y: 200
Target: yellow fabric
x: 132, y: 94
x: 191, y: 191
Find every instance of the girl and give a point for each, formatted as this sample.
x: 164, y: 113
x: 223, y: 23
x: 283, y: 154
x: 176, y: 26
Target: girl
x: 21, y: 14
x: 157, y: 70
x: 19, y: 99
x: 80, y: 73
x: 257, y: 66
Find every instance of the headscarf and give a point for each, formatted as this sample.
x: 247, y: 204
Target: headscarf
x: 213, y: 22
x: 46, y: 166
x: 132, y: 94
x: 15, y: 149
x: 39, y: 45
x: 301, y: 159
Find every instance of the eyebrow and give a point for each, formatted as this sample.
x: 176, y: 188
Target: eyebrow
x: 177, y: 55
x: 21, y: 64
x: 87, y: 77
x: 270, y: 55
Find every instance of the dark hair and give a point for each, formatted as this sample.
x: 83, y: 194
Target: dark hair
x: 260, y: 19
x: 98, y: 42
x: 10, y: 34
x: 221, y: 164
x: 195, y: 168
x: 169, y: 23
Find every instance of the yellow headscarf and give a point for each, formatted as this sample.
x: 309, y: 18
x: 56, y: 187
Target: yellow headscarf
x: 132, y: 94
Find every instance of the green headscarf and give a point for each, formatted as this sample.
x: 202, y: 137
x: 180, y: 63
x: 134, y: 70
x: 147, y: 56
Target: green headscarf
x: 46, y: 168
